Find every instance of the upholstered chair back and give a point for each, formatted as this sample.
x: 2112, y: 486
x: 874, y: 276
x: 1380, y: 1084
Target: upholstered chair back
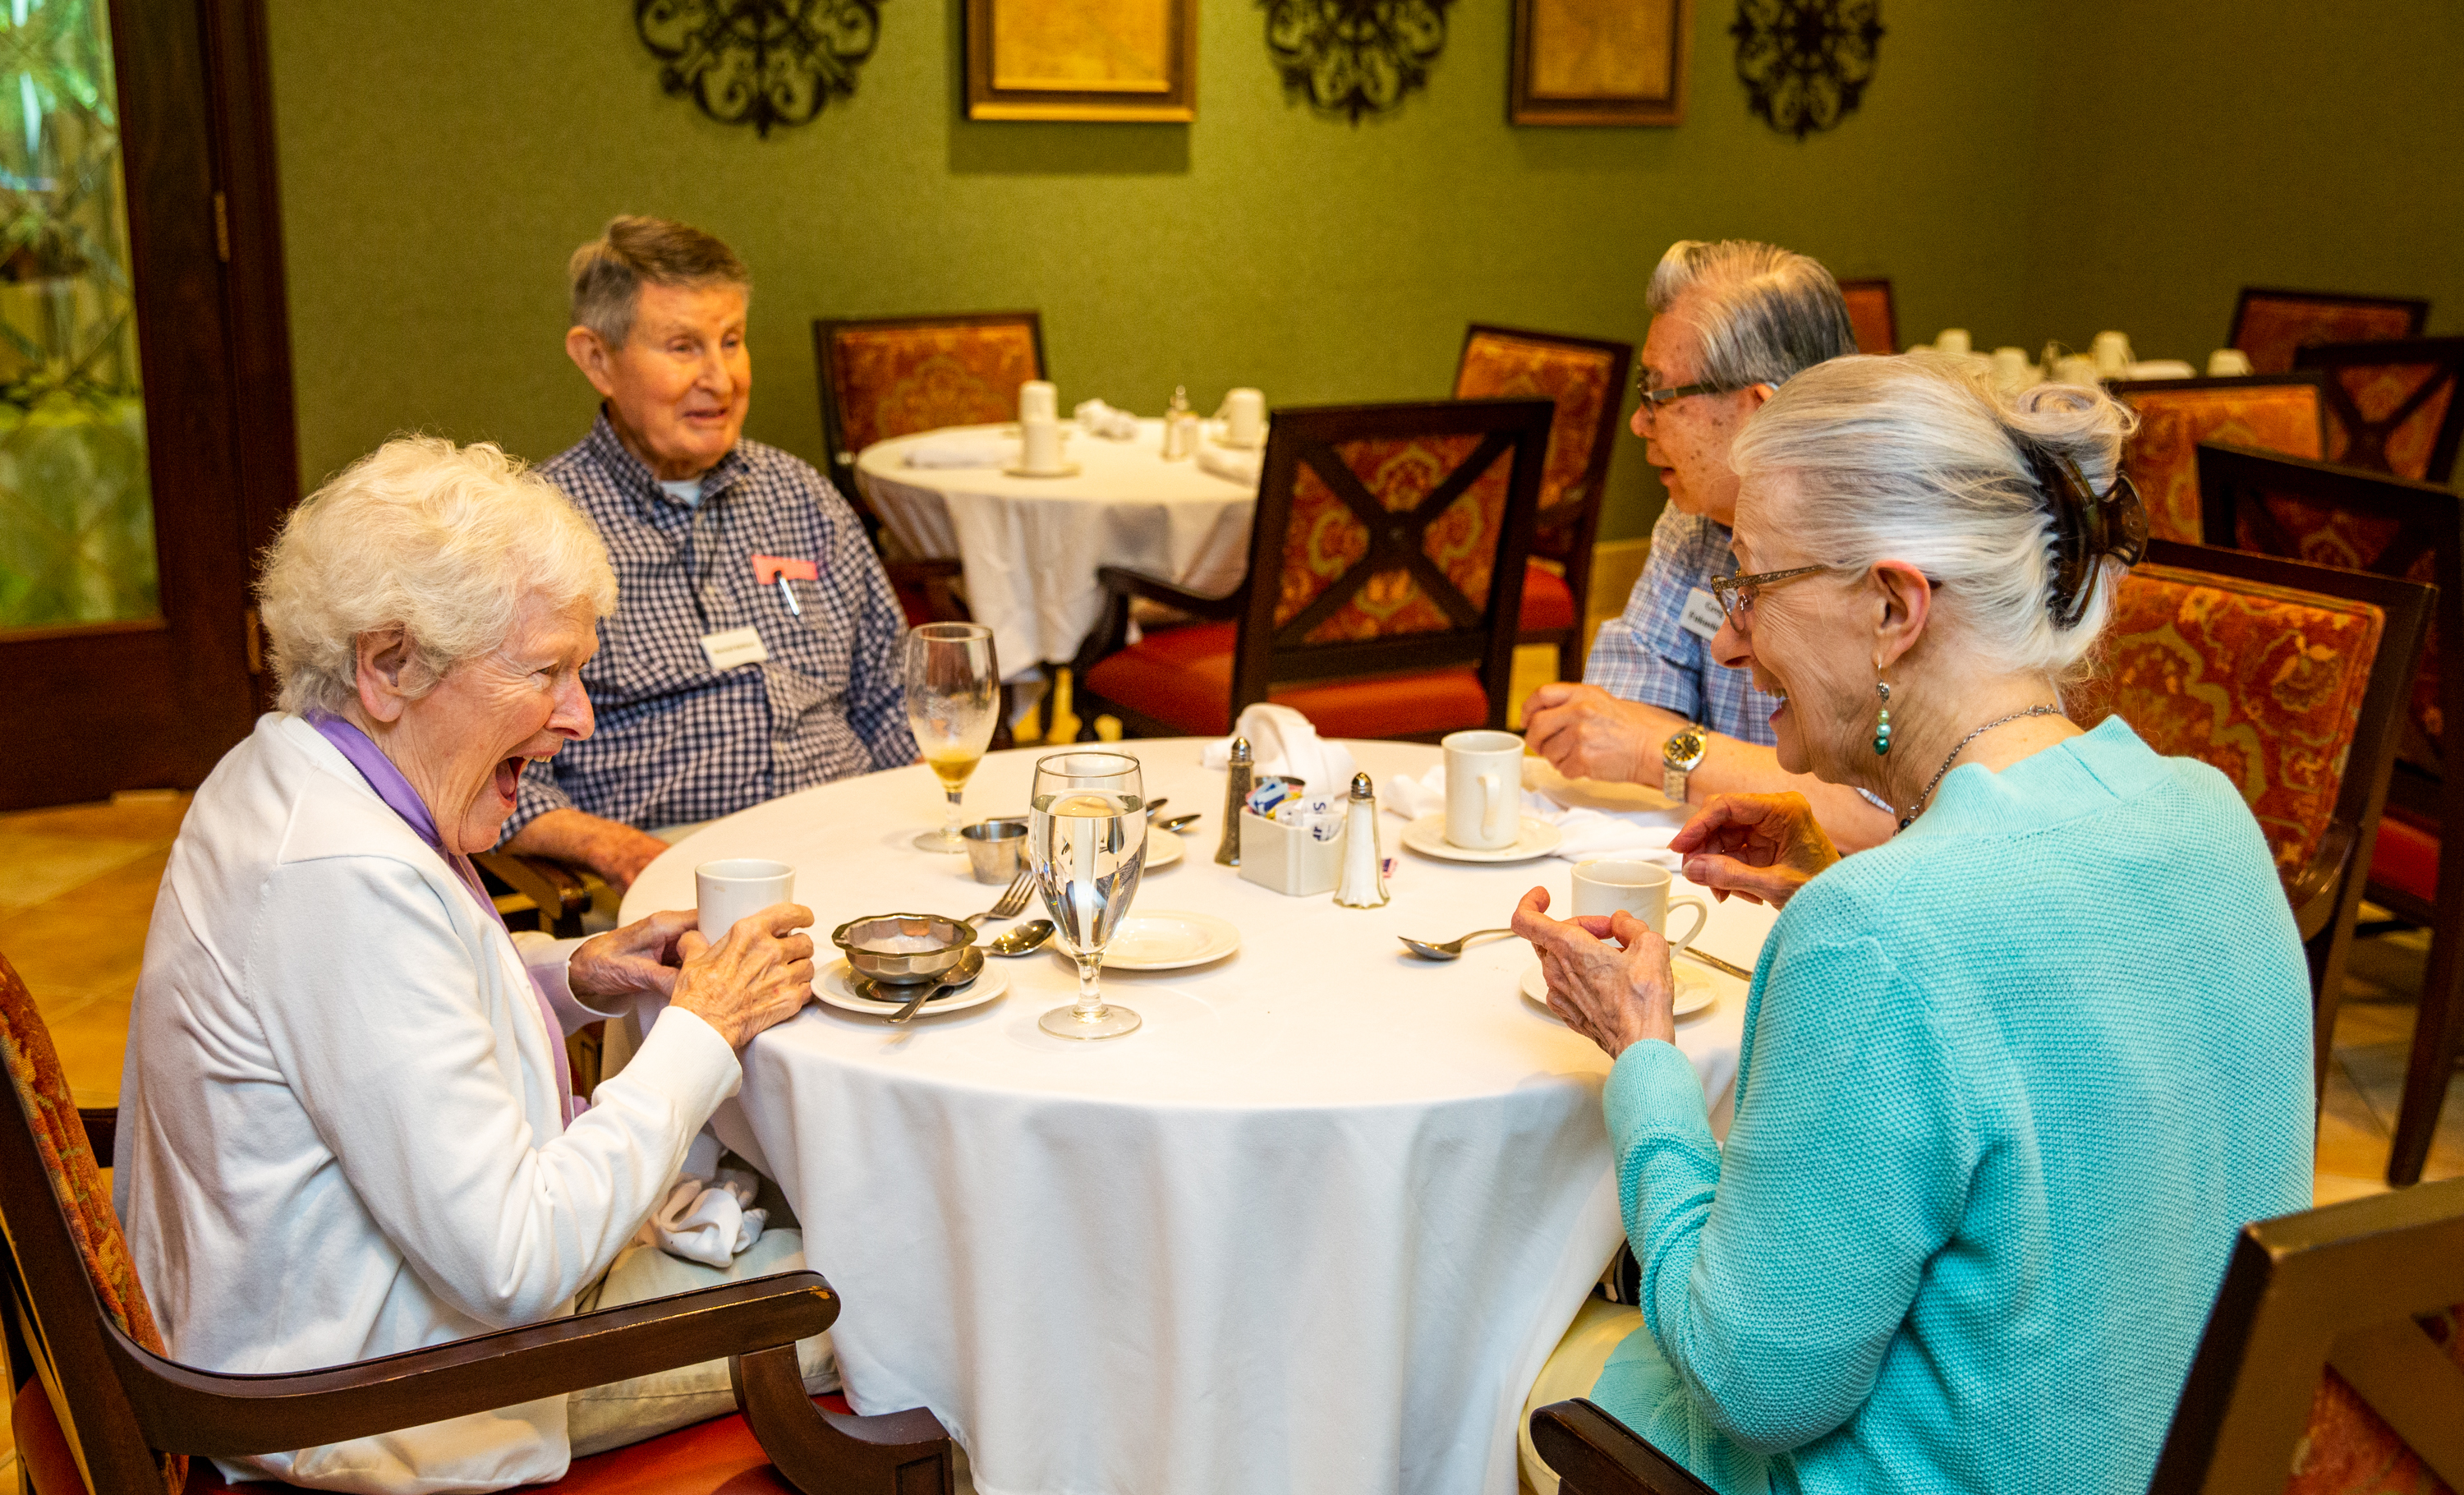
x: 2271, y: 412
x: 2392, y: 406
x: 1586, y: 381
x: 896, y: 376
x: 2272, y: 326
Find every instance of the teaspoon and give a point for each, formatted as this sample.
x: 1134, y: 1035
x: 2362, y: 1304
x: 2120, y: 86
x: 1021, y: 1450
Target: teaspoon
x: 1025, y: 939
x: 1452, y: 949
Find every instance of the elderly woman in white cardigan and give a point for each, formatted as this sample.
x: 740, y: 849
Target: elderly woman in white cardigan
x: 346, y: 1126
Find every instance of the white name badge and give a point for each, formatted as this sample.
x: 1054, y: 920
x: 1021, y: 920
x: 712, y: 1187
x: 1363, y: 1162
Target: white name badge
x: 1701, y: 616
x: 734, y: 646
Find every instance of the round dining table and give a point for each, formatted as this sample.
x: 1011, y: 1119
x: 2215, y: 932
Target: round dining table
x: 1312, y: 1227
x: 1030, y: 545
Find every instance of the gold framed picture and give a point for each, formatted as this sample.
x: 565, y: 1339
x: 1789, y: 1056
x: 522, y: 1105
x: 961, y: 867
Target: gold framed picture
x: 1082, y: 59
x: 1600, y: 61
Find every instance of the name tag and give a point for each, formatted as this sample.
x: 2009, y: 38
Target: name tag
x: 734, y: 646
x: 1703, y: 615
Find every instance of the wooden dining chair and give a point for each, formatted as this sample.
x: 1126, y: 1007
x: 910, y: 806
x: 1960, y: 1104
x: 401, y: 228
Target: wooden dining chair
x: 99, y: 1406
x: 1385, y: 582
x: 1585, y: 377
x: 2292, y: 681
x: 894, y: 376
x: 2392, y: 406
x: 2272, y: 325
x: 2275, y: 412
x: 2332, y: 1364
x: 2389, y: 526
x: 1871, y: 313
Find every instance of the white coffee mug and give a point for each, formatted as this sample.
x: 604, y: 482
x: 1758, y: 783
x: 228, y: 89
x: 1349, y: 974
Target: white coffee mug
x: 1039, y: 401
x: 2076, y: 369
x: 1484, y: 789
x: 2011, y: 368
x: 2228, y: 364
x: 1641, y: 888
x: 738, y: 888
x: 1952, y: 339
x: 1039, y: 445
x: 2111, y: 351
x: 1244, y: 418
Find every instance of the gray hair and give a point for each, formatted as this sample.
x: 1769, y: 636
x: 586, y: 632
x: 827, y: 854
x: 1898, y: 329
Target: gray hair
x: 1770, y: 312
x: 445, y: 542
x: 1918, y: 458
x: 608, y: 274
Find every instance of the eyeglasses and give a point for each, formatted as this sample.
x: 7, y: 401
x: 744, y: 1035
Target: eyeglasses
x: 1654, y: 398
x: 1736, y: 593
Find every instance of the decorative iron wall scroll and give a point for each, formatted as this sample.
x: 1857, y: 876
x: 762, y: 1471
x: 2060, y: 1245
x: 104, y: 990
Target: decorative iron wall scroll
x: 1806, y: 62
x: 1353, y: 58
x: 758, y: 62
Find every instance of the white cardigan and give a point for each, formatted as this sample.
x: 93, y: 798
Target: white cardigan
x: 338, y: 1127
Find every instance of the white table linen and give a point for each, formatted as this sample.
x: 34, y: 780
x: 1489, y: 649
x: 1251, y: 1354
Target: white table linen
x: 1031, y: 545
x: 1314, y: 1227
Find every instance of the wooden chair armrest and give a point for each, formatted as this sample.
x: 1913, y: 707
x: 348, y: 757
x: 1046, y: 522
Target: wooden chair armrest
x: 1126, y: 582
x: 1594, y: 1454
x: 184, y: 1410
x: 557, y: 888
x: 2315, y: 890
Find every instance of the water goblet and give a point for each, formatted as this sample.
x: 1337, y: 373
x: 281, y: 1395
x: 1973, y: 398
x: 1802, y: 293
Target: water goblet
x: 1086, y: 841
x: 953, y: 704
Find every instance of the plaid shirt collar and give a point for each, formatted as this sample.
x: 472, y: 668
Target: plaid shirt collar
x: 634, y: 479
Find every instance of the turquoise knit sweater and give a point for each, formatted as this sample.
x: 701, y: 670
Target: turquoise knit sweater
x: 2011, y: 1085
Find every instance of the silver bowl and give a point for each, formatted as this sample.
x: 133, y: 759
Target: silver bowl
x: 943, y: 944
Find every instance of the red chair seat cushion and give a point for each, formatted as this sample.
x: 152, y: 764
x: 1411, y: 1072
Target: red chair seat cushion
x: 1548, y: 601
x: 1182, y: 677
x: 2406, y: 859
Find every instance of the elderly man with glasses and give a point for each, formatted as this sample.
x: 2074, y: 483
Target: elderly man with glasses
x: 1732, y: 321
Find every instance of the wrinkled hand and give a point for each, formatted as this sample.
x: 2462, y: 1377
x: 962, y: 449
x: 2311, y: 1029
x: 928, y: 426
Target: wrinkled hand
x: 1614, y: 997
x: 758, y: 976
x: 1760, y: 846
x: 1586, y: 732
x: 624, y: 962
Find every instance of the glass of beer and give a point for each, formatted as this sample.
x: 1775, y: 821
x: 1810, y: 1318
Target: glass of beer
x: 953, y: 704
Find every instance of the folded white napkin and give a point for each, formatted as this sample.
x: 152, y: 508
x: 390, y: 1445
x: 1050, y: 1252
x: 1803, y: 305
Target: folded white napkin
x: 1641, y: 834
x: 1284, y: 741
x: 1231, y: 466
x: 976, y: 450
x: 1102, y: 420
x: 707, y: 1216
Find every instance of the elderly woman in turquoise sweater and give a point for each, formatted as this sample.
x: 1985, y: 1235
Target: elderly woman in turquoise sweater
x: 2013, y: 1080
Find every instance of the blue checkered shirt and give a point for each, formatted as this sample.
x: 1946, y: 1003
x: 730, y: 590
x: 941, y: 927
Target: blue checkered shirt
x: 678, y: 741
x: 1646, y: 654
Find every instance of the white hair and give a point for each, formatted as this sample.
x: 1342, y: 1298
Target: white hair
x: 1918, y: 458
x: 446, y: 543
x: 1769, y: 312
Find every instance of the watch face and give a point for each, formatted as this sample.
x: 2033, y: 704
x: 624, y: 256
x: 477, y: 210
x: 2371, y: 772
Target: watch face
x: 1685, y: 748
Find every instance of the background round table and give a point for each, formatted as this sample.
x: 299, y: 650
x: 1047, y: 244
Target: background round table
x: 1314, y: 1227
x: 1030, y: 545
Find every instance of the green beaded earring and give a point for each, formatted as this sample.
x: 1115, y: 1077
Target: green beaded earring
x: 1882, y: 720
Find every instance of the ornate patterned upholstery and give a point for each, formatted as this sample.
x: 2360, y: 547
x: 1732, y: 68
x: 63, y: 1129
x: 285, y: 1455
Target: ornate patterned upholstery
x: 2392, y: 407
x: 1326, y: 538
x: 60, y: 1135
x: 896, y: 376
x: 2272, y: 326
x: 2350, y: 1450
x: 1582, y: 378
x: 2261, y: 682
x: 2175, y: 416
x: 1871, y: 313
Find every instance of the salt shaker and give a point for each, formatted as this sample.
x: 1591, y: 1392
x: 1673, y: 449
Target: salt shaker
x: 1236, y: 793
x: 1364, y: 873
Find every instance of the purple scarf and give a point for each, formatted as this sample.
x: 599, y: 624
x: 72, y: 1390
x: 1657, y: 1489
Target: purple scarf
x: 404, y: 801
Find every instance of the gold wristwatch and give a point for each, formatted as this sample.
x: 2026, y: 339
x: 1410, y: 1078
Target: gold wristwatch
x: 1679, y: 756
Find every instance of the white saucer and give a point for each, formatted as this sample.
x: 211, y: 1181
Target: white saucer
x: 1064, y: 469
x: 1427, y: 836
x: 1168, y: 940
x: 1163, y: 849
x: 837, y: 988
x: 1696, y: 990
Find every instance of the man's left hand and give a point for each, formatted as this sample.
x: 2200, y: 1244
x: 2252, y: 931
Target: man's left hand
x: 1588, y: 734
x: 640, y: 957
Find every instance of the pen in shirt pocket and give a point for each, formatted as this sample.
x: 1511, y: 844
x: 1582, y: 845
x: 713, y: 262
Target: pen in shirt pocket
x: 781, y: 569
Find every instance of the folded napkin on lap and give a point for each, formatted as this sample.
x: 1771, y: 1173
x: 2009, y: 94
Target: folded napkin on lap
x: 1232, y: 467
x: 1641, y: 834
x: 1284, y: 741
x: 707, y: 1216
x: 976, y: 450
x: 1105, y: 421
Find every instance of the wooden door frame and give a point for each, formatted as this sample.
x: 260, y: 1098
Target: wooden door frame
x: 90, y: 709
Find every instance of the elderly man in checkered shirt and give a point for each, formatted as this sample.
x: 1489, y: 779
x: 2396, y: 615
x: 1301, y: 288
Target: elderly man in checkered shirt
x: 1732, y: 321
x: 755, y: 647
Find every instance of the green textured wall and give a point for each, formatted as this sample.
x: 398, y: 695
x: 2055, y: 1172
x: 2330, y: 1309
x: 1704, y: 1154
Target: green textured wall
x: 438, y: 167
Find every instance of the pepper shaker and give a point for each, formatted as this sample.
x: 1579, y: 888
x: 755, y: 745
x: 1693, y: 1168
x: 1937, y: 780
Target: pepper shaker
x: 1364, y: 871
x: 1236, y: 793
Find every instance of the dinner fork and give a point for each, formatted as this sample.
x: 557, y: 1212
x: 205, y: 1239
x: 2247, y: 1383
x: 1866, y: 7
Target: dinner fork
x: 1012, y: 899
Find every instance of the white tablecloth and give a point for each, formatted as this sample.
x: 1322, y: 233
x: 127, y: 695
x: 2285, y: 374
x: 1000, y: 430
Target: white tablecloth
x: 1030, y: 545
x: 1312, y: 1228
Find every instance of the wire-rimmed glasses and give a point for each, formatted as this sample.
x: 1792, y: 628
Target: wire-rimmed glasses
x: 1736, y: 593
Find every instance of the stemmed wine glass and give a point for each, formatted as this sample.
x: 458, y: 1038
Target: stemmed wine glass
x: 1087, y: 843
x: 953, y: 703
